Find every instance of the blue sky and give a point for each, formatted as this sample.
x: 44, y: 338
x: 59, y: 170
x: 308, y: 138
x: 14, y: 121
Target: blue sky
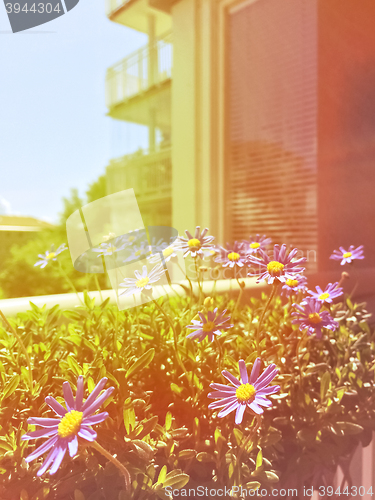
x: 54, y: 134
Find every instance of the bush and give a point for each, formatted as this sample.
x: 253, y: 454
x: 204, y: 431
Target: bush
x: 159, y: 423
x: 19, y: 277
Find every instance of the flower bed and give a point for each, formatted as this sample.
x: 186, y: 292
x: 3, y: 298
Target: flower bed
x: 300, y: 367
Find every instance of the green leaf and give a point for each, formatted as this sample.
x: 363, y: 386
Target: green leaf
x: 129, y: 419
x: 73, y: 365
x: 349, y: 427
x: 176, y: 389
x: 316, y: 368
x: 11, y: 386
x: 89, y: 302
x: 144, y: 450
x: 104, y: 303
x: 168, y: 420
x: 78, y: 495
x: 253, y: 485
x: 5, y: 445
x: 177, y: 481
x: 141, y: 363
x: 147, y: 427
x: 325, y: 384
x: 25, y: 496
x: 307, y: 435
x: 162, y: 474
x: 205, y: 457
x: 219, y: 439
x: 90, y: 384
x: 238, y: 435
x: 187, y: 454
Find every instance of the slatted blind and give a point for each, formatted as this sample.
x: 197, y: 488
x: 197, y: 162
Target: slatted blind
x: 273, y: 121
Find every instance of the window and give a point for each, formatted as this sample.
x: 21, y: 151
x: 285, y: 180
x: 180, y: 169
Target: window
x: 272, y: 121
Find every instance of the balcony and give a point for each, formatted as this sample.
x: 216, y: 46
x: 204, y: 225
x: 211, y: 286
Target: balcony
x: 149, y: 174
x: 136, y: 13
x: 111, y: 6
x: 140, y: 81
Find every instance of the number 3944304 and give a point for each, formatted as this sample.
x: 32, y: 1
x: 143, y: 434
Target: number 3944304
x: 35, y: 8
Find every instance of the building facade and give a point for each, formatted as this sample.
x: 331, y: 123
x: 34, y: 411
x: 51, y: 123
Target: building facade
x: 138, y: 90
x: 269, y: 118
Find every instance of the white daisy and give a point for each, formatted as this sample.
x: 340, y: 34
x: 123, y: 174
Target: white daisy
x: 143, y: 281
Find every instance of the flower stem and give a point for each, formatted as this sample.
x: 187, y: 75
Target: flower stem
x: 22, y: 347
x: 179, y: 360
x: 69, y: 281
x: 124, y: 471
x: 239, y: 296
x: 98, y: 286
x: 187, y: 277
x: 220, y: 353
x: 263, y: 314
x: 199, y: 283
x: 244, y: 444
x: 344, y: 276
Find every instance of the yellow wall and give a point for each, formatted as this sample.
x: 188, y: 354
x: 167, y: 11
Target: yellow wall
x: 197, y: 191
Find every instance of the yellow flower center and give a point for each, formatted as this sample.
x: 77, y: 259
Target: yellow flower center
x: 111, y: 249
x: 324, y: 296
x: 233, y: 256
x: 291, y: 283
x: 168, y: 251
x: 347, y: 254
x: 138, y: 252
x: 315, y: 318
x: 142, y: 282
x: 274, y: 267
x: 51, y: 255
x: 131, y: 238
x: 212, y: 252
x: 245, y: 393
x: 209, y: 326
x: 70, y: 424
x: 254, y: 245
x: 194, y: 243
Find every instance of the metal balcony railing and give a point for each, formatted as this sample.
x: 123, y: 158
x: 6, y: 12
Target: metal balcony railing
x: 148, y: 66
x: 148, y: 173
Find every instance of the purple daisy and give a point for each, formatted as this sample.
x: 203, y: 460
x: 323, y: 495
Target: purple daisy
x: 209, y: 326
x: 251, y: 393
x: 295, y: 285
x: 310, y: 316
x: 235, y: 255
x: 331, y: 291
x: 282, y: 267
x: 252, y: 245
x: 74, y: 421
x: 195, y: 245
x: 50, y: 255
x: 347, y: 256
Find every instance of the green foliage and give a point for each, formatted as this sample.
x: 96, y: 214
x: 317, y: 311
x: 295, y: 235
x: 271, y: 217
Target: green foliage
x: 19, y: 277
x: 159, y: 425
x: 97, y: 189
